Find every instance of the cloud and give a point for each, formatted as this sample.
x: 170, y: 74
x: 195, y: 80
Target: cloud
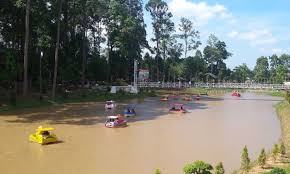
x: 200, y: 11
x: 277, y: 51
x: 255, y: 37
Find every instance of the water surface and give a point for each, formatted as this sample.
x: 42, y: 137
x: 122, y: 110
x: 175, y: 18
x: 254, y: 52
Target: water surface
x: 216, y: 129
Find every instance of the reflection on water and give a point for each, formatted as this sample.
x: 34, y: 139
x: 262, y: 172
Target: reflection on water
x: 215, y: 130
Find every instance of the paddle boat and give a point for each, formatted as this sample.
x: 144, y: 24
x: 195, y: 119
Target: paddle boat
x: 197, y: 97
x: 129, y: 112
x: 177, y: 108
x: 187, y: 98
x: 165, y: 98
x: 115, y: 121
x: 110, y: 104
x: 236, y: 94
x: 43, y: 136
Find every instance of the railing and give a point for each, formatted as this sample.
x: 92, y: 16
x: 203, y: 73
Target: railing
x: 213, y: 85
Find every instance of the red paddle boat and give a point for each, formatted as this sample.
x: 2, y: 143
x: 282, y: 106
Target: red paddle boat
x: 116, y: 121
x: 236, y: 94
x: 177, y: 108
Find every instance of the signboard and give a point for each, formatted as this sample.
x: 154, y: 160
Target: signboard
x: 143, y: 75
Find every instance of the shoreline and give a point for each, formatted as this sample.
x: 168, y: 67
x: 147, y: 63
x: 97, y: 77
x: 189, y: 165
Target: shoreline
x: 283, y: 113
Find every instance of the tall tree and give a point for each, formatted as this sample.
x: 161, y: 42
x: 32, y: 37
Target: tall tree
x: 281, y: 72
x: 241, y: 73
x: 261, y: 70
x: 160, y: 14
x: 189, y: 35
x: 56, y: 49
x: 27, y: 18
x: 215, y: 53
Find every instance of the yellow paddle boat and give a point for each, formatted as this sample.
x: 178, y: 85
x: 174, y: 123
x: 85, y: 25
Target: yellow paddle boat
x: 43, y: 136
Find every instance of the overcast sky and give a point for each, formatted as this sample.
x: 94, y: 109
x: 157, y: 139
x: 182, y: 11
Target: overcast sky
x: 250, y: 28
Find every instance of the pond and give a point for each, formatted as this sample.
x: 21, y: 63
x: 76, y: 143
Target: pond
x: 215, y: 129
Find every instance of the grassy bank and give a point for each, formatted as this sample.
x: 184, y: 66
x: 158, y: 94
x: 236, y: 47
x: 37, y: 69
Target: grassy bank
x: 283, y: 113
x: 194, y: 91
x: 71, y: 97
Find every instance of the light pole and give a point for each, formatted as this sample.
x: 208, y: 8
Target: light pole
x: 135, y: 76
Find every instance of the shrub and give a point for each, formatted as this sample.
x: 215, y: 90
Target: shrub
x: 282, y: 149
x: 276, y: 171
x: 157, y: 171
x: 219, y: 169
x: 275, y: 151
x: 262, y: 158
x: 245, y: 160
x: 198, y: 167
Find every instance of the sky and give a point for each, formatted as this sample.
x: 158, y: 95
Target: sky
x: 250, y: 28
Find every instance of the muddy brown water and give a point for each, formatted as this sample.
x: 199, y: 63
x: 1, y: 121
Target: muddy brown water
x: 216, y: 129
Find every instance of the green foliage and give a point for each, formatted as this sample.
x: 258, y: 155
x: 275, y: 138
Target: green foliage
x: 262, y: 158
x: 241, y: 73
x: 215, y: 53
x: 261, y: 70
x: 198, y: 167
x: 282, y: 149
x: 245, y: 160
x: 281, y: 72
x: 157, y: 171
x: 288, y: 169
x: 189, y: 35
x: 162, y: 27
x: 287, y: 96
x: 219, y: 169
x: 276, y: 171
x: 275, y: 151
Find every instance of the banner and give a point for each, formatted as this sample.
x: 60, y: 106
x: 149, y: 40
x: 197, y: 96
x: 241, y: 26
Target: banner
x: 143, y: 75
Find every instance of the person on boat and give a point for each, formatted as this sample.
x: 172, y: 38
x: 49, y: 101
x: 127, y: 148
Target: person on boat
x: 45, y: 134
x: 181, y: 108
x: 132, y: 111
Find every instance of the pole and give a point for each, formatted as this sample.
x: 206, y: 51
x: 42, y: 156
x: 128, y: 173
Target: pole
x: 135, y: 76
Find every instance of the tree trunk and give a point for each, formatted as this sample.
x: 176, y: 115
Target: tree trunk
x: 185, y: 50
x: 157, y: 57
x: 56, y: 50
x: 84, y: 58
x: 40, y: 75
x: 25, y: 87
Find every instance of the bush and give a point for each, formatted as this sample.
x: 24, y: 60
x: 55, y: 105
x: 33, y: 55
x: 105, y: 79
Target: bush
x: 282, y: 149
x: 276, y: 171
x: 157, y: 171
x: 275, y: 151
x: 198, y: 167
x: 245, y: 160
x: 262, y: 158
x: 219, y: 169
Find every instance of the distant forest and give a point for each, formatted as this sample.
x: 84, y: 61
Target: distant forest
x: 50, y: 42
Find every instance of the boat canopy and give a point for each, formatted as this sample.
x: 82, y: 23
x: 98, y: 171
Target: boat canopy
x: 41, y: 129
x: 110, y: 102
